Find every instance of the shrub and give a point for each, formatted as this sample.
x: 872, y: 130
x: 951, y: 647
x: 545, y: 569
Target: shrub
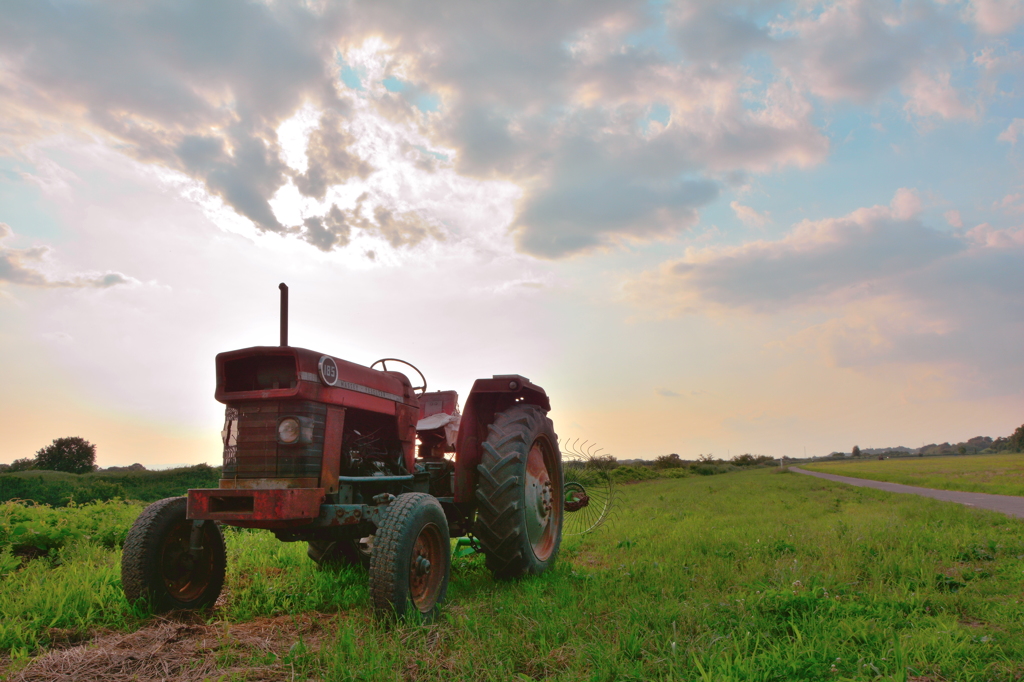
x: 605, y: 462
x: 712, y: 468
x: 631, y: 473
x: 668, y: 462
x: 749, y: 460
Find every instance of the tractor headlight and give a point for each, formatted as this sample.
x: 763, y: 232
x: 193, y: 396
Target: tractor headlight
x: 288, y: 430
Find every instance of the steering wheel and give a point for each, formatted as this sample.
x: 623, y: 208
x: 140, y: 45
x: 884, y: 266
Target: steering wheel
x: 383, y: 362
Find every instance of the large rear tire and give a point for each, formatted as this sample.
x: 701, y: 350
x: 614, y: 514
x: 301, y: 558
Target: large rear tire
x: 158, y: 566
x: 411, y: 559
x: 520, y: 494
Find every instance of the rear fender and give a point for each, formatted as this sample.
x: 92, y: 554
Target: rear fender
x: 487, y: 398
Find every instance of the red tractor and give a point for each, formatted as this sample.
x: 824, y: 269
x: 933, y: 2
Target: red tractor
x: 366, y: 469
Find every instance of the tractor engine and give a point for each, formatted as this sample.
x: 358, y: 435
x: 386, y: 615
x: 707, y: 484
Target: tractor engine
x: 297, y: 419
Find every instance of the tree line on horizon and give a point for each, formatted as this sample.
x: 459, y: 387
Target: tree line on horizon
x: 979, y: 445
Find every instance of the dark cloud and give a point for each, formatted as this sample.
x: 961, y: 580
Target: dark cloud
x: 19, y: 266
x: 581, y: 212
x: 330, y: 162
x: 400, y: 229
x: 328, y: 232
x: 244, y: 170
x: 197, y: 86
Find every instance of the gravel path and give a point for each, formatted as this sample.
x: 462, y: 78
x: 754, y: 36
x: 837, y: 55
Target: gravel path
x: 1010, y: 505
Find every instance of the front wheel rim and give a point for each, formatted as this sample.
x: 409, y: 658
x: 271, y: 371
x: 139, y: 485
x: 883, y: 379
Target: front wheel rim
x: 186, y: 574
x: 426, y: 568
x: 543, y: 499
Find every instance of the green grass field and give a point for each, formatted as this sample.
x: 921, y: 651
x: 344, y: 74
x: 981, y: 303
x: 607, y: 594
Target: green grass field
x: 749, y: 576
x: 1001, y: 474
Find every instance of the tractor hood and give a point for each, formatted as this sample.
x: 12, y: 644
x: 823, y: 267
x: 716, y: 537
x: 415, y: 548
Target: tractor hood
x: 289, y: 372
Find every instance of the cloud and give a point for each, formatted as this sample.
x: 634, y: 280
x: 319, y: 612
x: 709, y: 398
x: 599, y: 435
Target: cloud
x: 716, y: 33
x: 1011, y: 204
x: 19, y: 266
x: 618, y: 120
x: 905, y: 204
x: 328, y: 232
x: 749, y: 216
x: 668, y: 393
x: 858, y: 49
x: 816, y: 263
x: 876, y: 287
x: 1012, y: 132
x: 195, y: 86
x: 996, y: 17
x: 932, y: 95
x: 330, y: 162
x: 611, y: 140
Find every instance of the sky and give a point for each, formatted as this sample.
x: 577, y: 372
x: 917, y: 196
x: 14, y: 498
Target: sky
x: 704, y: 227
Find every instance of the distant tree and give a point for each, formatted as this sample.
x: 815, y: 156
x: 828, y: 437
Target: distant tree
x: 962, y: 450
x: 1016, y: 441
x: 23, y: 464
x: 855, y: 452
x: 668, y: 462
x: 72, y: 454
x: 604, y: 462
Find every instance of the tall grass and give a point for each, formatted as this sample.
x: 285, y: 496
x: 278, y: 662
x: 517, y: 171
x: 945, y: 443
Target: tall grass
x: 1001, y: 474
x: 749, y: 576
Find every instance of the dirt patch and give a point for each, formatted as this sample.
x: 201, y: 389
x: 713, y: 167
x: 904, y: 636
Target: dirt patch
x: 182, y: 648
x: 590, y: 560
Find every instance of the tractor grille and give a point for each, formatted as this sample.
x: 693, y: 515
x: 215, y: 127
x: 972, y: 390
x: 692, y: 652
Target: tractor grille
x: 251, y: 449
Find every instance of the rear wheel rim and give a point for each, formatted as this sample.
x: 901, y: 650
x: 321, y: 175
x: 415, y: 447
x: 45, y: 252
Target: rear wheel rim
x: 543, y: 499
x: 426, y: 568
x: 186, y: 574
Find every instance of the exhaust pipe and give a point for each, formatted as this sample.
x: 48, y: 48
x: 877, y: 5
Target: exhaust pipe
x: 284, y: 313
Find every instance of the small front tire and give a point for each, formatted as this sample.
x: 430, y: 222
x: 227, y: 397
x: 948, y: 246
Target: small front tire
x: 411, y: 560
x: 159, y: 568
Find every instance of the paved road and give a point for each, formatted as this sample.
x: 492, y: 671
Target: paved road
x: 1007, y: 504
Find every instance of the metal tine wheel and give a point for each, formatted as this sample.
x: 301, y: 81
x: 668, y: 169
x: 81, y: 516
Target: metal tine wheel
x: 589, y: 490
